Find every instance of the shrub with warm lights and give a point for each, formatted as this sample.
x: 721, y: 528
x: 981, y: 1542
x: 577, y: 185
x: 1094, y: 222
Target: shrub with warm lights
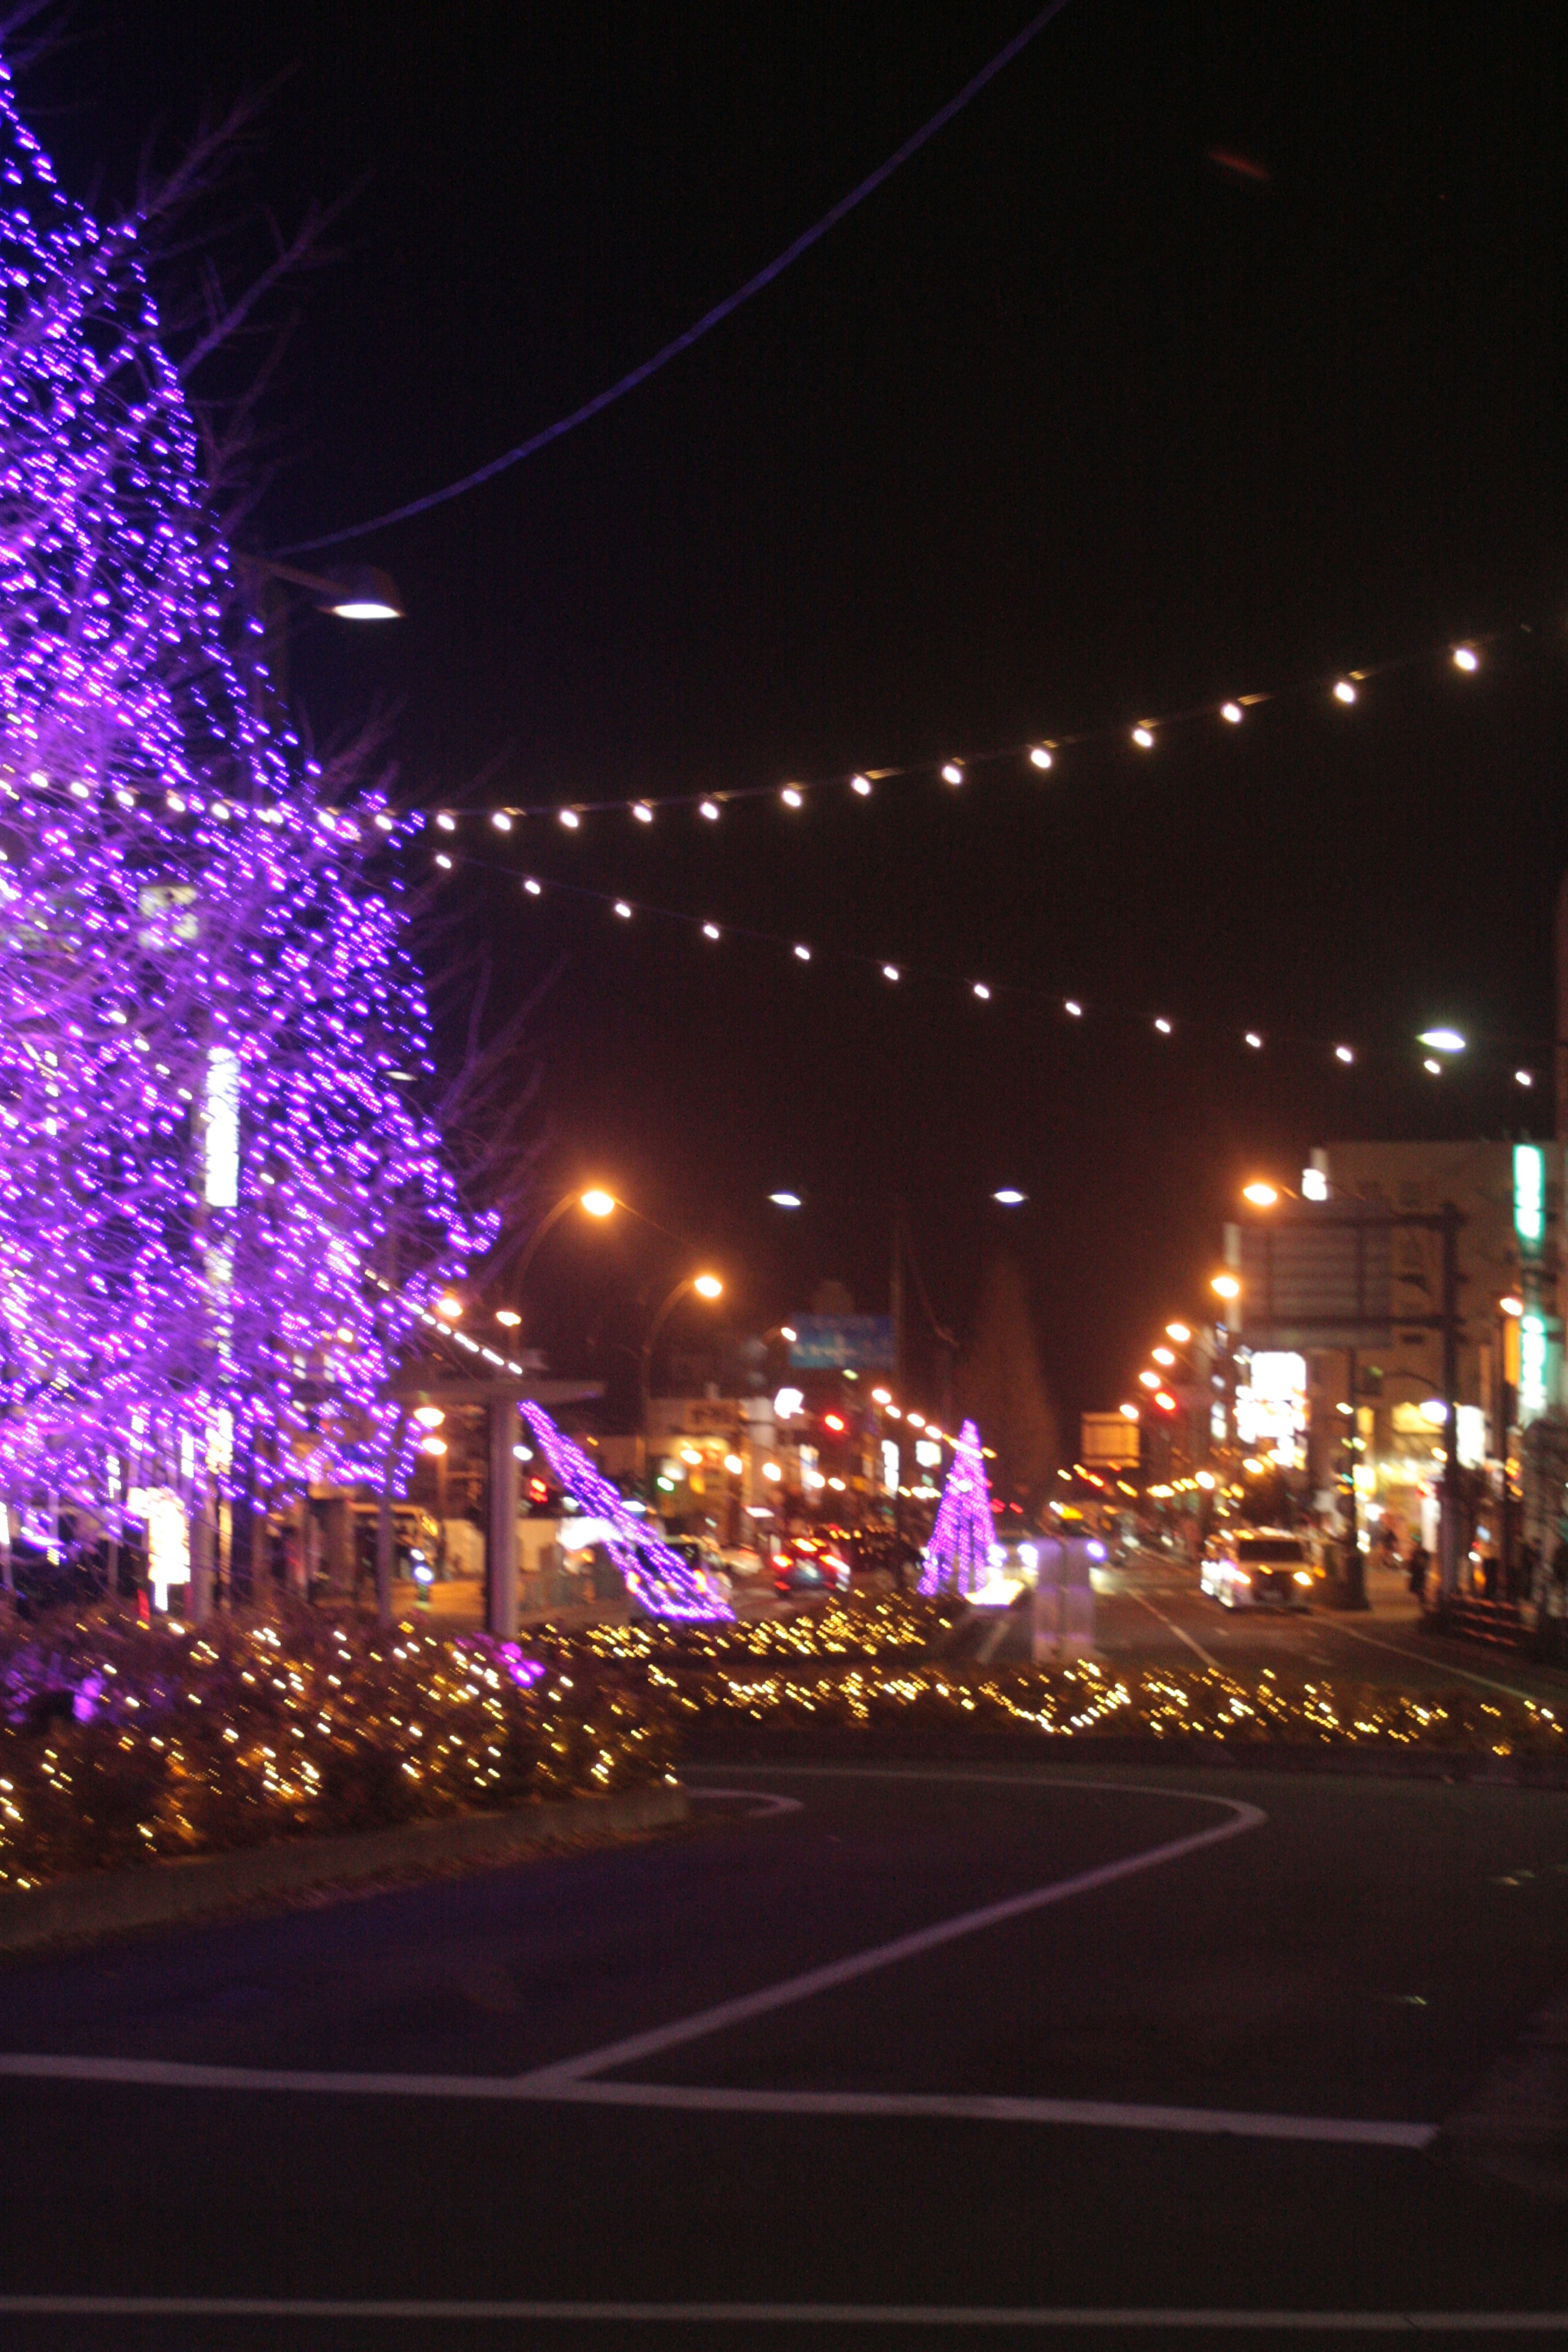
x: 122, y: 1742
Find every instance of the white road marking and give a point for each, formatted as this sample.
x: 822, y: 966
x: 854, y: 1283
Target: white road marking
x: 174, y: 2074
x: 818, y: 2314
x: 1172, y: 1627
x: 634, y: 2046
x: 571, y: 2080
x: 982, y: 2107
x: 764, y: 1801
x: 1439, y: 1666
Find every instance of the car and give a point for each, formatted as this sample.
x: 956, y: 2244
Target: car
x: 1258, y: 1568
x: 810, y: 1564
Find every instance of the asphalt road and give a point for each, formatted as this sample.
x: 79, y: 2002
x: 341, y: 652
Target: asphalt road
x: 1151, y: 1613
x: 1187, y: 2061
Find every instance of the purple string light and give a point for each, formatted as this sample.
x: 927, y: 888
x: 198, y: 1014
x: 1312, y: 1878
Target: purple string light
x: 658, y: 1578
x: 221, y: 1213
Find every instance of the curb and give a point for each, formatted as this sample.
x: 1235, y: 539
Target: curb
x: 714, y: 1745
x: 102, y: 1902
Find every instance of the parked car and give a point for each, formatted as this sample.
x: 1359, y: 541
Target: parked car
x: 1258, y: 1568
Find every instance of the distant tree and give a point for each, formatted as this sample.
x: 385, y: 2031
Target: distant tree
x: 1002, y: 1387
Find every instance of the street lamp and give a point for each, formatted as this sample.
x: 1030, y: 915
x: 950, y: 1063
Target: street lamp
x: 594, y: 1202
x: 1224, y: 1286
x: 1261, y: 1195
x: 705, y: 1285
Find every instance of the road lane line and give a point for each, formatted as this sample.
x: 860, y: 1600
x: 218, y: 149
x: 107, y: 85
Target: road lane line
x: 809, y: 2315
x: 1172, y: 1627
x: 166, y: 2074
x: 1508, y: 1690
x: 1112, y: 2115
x: 634, y: 2046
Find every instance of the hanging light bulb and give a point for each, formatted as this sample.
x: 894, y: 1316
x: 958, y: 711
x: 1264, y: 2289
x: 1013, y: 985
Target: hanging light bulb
x: 623, y: 912
x: 891, y: 971
x: 1254, y: 1041
x: 1071, y: 1005
x: 534, y: 888
x: 803, y: 953
x: 1343, y: 1053
x: 710, y: 930
x: 982, y: 991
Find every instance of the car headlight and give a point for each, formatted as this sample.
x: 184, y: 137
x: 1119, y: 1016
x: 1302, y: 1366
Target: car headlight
x: 1304, y: 1576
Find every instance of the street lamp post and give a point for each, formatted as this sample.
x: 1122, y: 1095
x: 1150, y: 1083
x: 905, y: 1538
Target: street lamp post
x: 705, y: 1285
x: 594, y: 1202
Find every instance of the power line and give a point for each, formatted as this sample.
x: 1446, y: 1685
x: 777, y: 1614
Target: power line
x: 709, y: 319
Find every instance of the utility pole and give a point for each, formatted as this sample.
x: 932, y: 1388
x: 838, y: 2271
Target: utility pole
x: 1355, y: 1574
x: 1448, y: 1539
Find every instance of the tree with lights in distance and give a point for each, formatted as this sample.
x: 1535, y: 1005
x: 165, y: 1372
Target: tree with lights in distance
x: 222, y: 1204
x: 958, y: 1556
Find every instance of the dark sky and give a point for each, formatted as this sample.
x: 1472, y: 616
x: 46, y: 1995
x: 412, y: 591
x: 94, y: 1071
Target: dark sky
x: 1066, y: 425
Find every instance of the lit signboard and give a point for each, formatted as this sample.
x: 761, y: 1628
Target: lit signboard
x: 1530, y: 1197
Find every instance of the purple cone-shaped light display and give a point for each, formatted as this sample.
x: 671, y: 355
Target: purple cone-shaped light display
x: 958, y: 1556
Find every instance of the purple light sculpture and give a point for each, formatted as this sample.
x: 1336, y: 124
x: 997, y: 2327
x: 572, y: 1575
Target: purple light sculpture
x: 220, y: 1215
x: 958, y: 1556
x: 658, y: 1578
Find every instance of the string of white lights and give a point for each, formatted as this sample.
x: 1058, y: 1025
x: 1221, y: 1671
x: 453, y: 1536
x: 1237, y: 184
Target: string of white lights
x: 1040, y: 755
x: 1439, y: 1048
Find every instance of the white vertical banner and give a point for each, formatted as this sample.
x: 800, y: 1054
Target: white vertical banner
x: 221, y: 1125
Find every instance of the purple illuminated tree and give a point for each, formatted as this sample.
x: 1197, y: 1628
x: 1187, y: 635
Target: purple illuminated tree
x: 958, y: 1556
x: 223, y: 1202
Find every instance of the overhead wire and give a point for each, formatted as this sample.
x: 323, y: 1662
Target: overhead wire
x: 709, y: 318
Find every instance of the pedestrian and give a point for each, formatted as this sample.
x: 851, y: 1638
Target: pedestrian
x: 1416, y: 1568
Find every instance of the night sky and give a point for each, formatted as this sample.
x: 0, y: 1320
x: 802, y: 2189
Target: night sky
x: 1068, y: 426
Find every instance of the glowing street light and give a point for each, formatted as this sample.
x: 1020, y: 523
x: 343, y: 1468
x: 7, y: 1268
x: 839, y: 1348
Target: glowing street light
x: 1009, y: 1198
x: 708, y: 1286
x: 1179, y: 1333
x: 1261, y: 1195
x: 1128, y: 1412
x: 1224, y: 1286
x: 1162, y: 1356
x: 1149, y: 1380
x: 786, y: 1199
x: 448, y: 1309
x: 1442, y: 1041
x: 509, y: 1317
x: 597, y: 1202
